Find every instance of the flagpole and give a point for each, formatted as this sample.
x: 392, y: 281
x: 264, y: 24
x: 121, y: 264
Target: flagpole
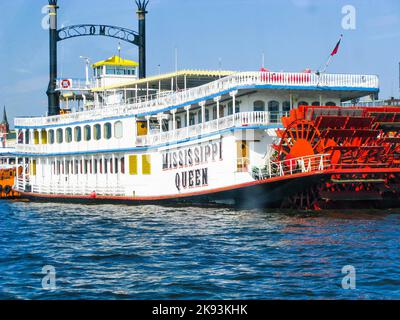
x: 327, y: 64
x: 334, y: 52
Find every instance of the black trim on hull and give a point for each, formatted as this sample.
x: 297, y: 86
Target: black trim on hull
x: 265, y: 195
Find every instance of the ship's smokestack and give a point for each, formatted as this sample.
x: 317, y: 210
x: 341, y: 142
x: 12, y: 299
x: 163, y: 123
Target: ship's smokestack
x: 53, y: 97
x: 142, y: 5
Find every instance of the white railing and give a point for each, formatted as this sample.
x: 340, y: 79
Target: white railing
x: 235, y: 120
x: 66, y: 189
x: 230, y: 83
x: 149, y: 97
x: 272, y: 169
x: 374, y: 103
x: 28, y: 148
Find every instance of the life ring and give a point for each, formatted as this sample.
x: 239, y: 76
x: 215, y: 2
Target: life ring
x: 7, y: 190
x: 65, y: 84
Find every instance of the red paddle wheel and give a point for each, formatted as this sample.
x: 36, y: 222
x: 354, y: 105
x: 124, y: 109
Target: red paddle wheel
x: 362, y: 145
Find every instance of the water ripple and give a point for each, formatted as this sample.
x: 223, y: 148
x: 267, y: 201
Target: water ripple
x: 151, y: 252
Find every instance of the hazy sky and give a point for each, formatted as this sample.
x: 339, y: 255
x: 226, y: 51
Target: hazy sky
x: 294, y: 34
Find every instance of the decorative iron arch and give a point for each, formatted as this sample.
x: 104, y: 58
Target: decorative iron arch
x: 123, y: 34
x: 82, y: 30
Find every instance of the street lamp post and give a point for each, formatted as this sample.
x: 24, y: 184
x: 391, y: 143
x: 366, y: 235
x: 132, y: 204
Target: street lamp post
x: 142, y: 6
x: 53, y: 97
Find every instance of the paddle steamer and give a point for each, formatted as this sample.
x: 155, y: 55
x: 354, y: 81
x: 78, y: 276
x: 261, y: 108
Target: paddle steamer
x: 259, y: 139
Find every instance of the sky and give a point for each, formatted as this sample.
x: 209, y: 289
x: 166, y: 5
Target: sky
x: 293, y: 34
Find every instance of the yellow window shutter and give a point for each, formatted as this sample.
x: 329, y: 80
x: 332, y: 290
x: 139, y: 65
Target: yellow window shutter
x: 44, y: 136
x: 36, y: 137
x: 33, y: 167
x: 133, y: 165
x: 146, y: 164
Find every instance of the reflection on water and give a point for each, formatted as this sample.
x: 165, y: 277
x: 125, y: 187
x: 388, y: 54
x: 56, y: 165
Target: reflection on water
x: 121, y: 252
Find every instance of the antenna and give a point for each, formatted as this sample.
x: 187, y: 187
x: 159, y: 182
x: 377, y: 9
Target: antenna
x: 119, y: 50
x: 263, y: 60
x: 87, y: 65
x: 176, y: 68
x: 176, y: 59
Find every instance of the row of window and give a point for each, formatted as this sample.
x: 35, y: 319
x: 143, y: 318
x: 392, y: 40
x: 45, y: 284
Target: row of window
x: 114, y: 70
x: 107, y: 130
x: 181, y: 121
x: 273, y: 106
x: 258, y: 106
x: 97, y: 166
x: 95, y: 132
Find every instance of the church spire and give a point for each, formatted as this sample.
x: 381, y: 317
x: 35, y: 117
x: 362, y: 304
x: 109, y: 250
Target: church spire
x: 5, y: 120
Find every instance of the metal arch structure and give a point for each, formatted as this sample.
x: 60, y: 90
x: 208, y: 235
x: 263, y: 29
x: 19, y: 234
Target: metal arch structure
x: 82, y: 30
x: 123, y: 34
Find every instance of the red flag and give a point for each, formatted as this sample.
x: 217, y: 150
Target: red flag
x: 335, y: 51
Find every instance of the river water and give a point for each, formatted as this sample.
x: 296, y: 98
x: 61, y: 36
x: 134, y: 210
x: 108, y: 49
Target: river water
x: 150, y: 252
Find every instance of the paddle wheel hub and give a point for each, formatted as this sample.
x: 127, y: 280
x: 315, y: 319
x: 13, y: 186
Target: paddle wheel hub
x: 362, y: 145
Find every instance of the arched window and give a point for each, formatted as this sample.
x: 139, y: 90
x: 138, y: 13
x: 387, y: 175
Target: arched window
x: 286, y: 106
x: 76, y: 167
x: 36, y: 137
x: 331, y: 104
x: 273, y: 106
x: 68, y: 135
x: 87, y: 135
x: 27, y: 137
x: 105, y: 166
x: 316, y: 104
x: 85, y: 166
x: 78, y: 134
x: 51, y: 136
x: 107, y: 131
x: 303, y: 103
x: 122, y: 165
x: 43, y: 136
x: 259, y: 105
x: 20, y: 135
x: 118, y: 130
x: 59, y: 136
x: 116, y: 165
x: 273, y: 109
x: 96, y: 132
